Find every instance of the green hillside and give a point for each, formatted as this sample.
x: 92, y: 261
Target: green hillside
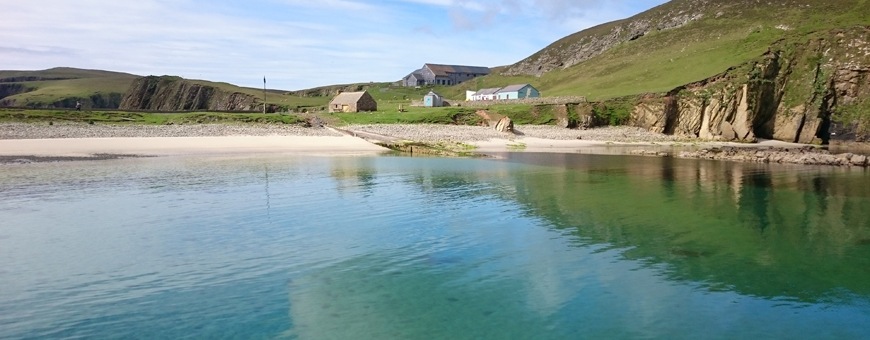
x: 726, y: 34
x: 62, y: 87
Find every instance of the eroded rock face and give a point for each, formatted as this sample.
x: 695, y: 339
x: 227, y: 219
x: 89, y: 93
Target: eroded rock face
x: 650, y: 115
x: 496, y: 121
x: 9, y: 89
x: 176, y: 94
x: 771, y: 98
x: 504, y: 124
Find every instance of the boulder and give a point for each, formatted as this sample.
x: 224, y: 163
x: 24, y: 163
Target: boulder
x: 504, y: 124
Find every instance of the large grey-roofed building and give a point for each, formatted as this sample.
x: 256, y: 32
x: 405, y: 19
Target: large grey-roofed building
x: 437, y: 74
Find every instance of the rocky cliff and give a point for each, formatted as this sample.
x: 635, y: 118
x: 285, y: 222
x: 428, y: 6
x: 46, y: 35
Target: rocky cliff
x: 94, y: 101
x: 176, y: 94
x: 806, y: 92
x: 10, y: 89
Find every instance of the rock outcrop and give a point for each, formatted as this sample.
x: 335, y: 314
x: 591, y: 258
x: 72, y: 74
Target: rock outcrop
x: 498, y: 122
x: 11, y: 89
x: 176, y: 94
x: 794, y: 93
x: 804, y: 155
x: 505, y: 124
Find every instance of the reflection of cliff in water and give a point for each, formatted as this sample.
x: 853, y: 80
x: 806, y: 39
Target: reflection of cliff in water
x: 794, y: 232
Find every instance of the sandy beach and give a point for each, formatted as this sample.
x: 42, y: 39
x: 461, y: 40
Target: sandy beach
x: 24, y: 143
x: 163, y: 146
x: 83, y: 140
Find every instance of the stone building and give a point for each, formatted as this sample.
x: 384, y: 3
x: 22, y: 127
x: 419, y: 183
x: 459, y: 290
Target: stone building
x: 353, y: 102
x: 435, y: 74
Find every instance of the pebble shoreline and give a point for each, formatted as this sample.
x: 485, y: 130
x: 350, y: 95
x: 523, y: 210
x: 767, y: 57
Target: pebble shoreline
x: 80, y: 130
x: 416, y: 132
x: 459, y: 133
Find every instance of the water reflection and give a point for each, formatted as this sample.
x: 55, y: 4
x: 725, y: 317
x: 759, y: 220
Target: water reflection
x: 535, y: 246
x: 774, y: 231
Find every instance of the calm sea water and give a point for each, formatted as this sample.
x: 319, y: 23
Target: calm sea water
x: 532, y: 246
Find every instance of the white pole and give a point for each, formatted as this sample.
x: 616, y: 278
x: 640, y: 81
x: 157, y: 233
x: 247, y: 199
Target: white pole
x: 264, y: 94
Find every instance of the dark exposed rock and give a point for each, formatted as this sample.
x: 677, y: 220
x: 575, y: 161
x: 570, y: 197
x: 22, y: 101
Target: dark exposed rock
x: 10, y: 89
x: 176, y: 94
x: 748, y: 102
x: 505, y: 124
x: 805, y: 155
x: 497, y: 121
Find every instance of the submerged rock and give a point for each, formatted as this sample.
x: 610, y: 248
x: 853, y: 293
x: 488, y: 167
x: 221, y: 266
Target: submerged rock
x: 803, y: 155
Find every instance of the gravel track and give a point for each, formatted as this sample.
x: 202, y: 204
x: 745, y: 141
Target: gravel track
x: 437, y: 133
x: 76, y: 130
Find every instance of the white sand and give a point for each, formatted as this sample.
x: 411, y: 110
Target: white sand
x: 63, y: 140
x: 323, y: 145
x: 163, y: 146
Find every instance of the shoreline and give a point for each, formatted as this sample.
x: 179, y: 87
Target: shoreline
x: 28, y: 143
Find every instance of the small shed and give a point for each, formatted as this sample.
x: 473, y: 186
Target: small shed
x: 433, y: 99
x: 353, y: 102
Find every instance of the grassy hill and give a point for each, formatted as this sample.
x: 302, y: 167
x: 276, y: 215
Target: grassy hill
x: 643, y: 54
x: 62, y: 87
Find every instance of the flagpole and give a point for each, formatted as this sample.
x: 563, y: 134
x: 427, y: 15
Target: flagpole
x: 264, y: 94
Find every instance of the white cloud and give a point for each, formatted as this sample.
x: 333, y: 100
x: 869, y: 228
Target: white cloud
x: 295, y: 43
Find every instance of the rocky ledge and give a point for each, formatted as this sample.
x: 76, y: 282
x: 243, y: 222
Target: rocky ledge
x: 803, y: 155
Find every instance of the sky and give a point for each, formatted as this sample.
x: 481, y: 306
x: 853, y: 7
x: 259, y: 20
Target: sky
x: 294, y: 44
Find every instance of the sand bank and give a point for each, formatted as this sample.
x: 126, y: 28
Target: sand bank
x: 61, y: 141
x: 164, y: 146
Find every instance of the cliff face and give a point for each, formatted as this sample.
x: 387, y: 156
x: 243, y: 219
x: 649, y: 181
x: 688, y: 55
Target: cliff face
x: 95, y: 101
x: 175, y: 94
x: 805, y: 93
x: 10, y: 89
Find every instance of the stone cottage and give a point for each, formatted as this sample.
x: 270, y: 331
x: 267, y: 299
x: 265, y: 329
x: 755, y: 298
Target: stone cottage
x: 353, y: 102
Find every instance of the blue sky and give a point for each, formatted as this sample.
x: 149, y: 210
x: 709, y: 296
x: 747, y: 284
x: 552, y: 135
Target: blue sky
x: 295, y: 44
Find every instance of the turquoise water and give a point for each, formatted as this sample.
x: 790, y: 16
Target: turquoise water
x: 531, y: 246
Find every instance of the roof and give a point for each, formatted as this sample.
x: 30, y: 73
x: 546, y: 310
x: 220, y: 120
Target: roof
x: 483, y: 92
x: 444, y: 70
x: 347, y: 97
x: 417, y: 74
x: 513, y: 88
